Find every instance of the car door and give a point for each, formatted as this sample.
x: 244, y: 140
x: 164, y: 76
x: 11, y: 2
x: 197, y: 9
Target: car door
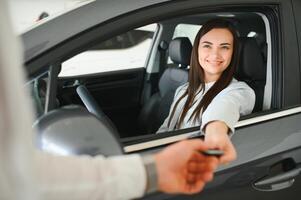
x: 268, y: 164
x: 268, y: 143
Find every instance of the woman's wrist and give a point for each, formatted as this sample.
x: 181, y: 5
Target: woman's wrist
x: 216, y: 127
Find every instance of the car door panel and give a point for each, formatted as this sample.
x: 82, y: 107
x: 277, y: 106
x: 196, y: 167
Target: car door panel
x: 267, y: 151
x: 297, y: 7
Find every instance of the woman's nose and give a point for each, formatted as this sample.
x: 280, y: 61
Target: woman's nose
x: 215, y: 53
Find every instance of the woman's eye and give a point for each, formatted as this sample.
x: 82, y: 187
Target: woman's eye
x: 206, y: 46
x: 225, y: 47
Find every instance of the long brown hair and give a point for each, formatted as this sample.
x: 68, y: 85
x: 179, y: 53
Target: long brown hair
x: 197, y: 76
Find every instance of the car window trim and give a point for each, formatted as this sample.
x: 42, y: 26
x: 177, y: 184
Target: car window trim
x: 194, y: 134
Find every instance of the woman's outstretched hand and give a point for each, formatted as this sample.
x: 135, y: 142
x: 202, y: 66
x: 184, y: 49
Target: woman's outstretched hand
x: 216, y: 137
x: 183, y: 169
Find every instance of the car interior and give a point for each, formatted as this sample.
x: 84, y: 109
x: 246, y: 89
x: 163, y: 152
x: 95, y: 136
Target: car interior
x: 135, y: 101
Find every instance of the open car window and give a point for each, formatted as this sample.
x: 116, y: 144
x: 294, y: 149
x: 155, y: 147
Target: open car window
x: 114, y: 73
x: 125, y: 51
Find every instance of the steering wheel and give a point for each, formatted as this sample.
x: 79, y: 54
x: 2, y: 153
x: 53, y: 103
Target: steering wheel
x: 89, y: 101
x: 93, y: 107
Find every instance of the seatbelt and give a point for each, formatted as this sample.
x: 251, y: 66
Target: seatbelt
x: 163, y: 46
x: 151, y: 88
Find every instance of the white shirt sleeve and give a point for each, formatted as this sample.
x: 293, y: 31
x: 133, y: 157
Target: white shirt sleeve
x: 229, y: 105
x: 90, y: 178
x: 26, y: 173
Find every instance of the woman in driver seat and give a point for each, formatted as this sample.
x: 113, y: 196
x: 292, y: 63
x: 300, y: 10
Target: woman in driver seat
x: 212, y: 99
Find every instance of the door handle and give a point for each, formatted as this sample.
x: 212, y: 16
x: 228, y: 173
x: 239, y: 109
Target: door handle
x: 278, y: 182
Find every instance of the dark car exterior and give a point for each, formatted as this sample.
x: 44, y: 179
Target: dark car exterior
x: 268, y: 142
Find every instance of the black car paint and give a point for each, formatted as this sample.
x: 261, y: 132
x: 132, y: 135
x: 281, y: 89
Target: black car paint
x: 260, y: 146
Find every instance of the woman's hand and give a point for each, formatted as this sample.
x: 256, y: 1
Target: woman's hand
x: 183, y: 169
x: 216, y: 137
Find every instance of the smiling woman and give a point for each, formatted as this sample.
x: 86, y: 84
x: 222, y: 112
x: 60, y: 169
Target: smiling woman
x: 212, y: 98
x: 215, y: 53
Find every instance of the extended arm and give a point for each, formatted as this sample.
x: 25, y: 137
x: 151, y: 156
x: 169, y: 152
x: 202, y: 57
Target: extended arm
x: 221, y: 116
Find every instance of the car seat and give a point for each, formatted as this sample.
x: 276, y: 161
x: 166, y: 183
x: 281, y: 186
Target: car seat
x: 252, y: 69
x: 156, y: 109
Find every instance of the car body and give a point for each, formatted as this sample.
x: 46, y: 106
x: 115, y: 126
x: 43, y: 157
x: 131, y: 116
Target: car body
x: 268, y: 141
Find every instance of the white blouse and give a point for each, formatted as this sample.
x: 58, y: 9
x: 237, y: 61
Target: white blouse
x: 235, y: 100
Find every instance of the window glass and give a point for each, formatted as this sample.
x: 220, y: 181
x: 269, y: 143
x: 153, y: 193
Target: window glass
x: 185, y: 30
x: 38, y: 88
x: 126, y: 51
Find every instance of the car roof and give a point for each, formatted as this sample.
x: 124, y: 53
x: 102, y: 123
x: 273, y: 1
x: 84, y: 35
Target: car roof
x: 45, y: 36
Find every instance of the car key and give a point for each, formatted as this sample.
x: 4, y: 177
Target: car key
x: 213, y: 152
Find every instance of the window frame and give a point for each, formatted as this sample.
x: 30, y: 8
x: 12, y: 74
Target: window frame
x: 277, y: 95
x: 271, y: 23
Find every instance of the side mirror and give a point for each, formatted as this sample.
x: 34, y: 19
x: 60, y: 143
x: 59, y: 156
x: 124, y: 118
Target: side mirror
x: 73, y: 130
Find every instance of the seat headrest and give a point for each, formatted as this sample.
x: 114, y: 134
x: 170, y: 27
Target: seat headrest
x: 180, y: 50
x: 251, y: 65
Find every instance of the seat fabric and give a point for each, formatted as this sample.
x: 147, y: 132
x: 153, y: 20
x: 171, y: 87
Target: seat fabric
x: 252, y: 69
x: 156, y: 109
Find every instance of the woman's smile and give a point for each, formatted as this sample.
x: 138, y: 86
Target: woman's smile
x: 214, y: 62
x: 215, y: 52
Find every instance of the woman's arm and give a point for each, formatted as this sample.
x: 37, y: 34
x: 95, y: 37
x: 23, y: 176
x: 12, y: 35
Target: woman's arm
x: 216, y: 137
x: 219, y: 119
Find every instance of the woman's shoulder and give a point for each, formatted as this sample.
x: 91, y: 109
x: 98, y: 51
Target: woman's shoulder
x: 235, y: 84
x: 239, y: 92
x: 238, y: 87
x: 181, y: 89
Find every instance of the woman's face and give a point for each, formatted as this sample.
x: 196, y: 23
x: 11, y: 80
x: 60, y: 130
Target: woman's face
x: 215, y: 52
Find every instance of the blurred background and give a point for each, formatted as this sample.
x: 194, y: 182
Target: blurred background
x: 26, y: 13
